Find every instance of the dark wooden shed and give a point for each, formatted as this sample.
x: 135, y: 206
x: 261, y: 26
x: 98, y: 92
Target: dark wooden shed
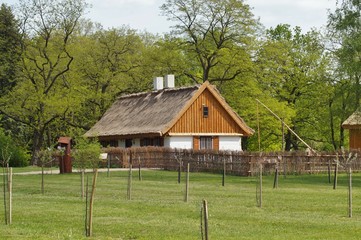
x: 65, y: 158
x: 353, y: 124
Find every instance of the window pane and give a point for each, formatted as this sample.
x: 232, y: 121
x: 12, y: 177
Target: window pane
x: 206, y: 143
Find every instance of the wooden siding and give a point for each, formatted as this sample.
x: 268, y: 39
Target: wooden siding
x: 218, y: 120
x: 215, y: 143
x: 196, y: 144
x: 355, y: 138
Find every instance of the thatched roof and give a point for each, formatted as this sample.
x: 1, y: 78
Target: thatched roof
x: 142, y: 113
x: 353, y: 121
x: 154, y: 113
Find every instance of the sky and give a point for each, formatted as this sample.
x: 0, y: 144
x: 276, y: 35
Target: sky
x: 146, y: 15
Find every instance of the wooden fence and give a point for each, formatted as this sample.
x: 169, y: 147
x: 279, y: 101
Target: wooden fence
x: 235, y: 163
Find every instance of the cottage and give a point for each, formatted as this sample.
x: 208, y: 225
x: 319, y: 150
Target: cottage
x: 195, y: 117
x: 353, y: 123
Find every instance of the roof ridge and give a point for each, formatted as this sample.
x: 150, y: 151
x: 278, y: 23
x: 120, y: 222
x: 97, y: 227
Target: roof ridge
x: 157, y: 91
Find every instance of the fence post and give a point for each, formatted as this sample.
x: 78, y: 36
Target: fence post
x: 90, y: 227
x: 10, y: 194
x: 275, y: 182
x: 350, y: 191
x: 205, y: 208
x: 139, y: 170
x: 224, y: 171
x: 335, y: 177
x: 260, y: 185
x: 129, y: 189
x: 187, y: 184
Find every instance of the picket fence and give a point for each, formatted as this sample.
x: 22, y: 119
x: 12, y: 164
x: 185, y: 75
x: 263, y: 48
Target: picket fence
x: 235, y: 163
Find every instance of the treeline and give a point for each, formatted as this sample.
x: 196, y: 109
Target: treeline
x: 59, y: 72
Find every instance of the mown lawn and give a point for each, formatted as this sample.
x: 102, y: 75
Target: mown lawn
x: 303, y: 207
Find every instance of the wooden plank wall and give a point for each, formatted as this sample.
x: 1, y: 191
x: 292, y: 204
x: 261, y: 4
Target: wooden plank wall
x: 355, y: 138
x: 218, y: 121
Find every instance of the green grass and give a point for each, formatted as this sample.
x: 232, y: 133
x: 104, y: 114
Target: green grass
x: 303, y: 207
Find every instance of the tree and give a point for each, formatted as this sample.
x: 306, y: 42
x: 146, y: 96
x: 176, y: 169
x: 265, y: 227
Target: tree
x: 344, y: 26
x: 344, y: 29
x: 9, y: 49
x: 11, y: 153
x: 43, y: 93
x: 215, y: 35
x: 293, y: 70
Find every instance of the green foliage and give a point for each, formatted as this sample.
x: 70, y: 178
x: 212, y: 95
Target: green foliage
x: 86, y: 153
x: 9, y: 49
x: 344, y: 27
x: 293, y: 71
x: 43, y: 93
x: 214, y: 35
x: 12, y: 154
x: 45, y: 156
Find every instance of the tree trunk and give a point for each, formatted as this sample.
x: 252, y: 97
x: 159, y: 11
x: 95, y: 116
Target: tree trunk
x: 357, y: 91
x: 332, y: 125
x: 37, y: 144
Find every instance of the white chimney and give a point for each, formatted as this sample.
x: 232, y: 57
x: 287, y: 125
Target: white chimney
x: 158, y: 83
x: 169, y: 81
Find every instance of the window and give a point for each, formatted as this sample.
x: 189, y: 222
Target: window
x: 151, y: 142
x: 205, y: 111
x: 206, y: 143
x: 111, y: 143
x: 128, y: 143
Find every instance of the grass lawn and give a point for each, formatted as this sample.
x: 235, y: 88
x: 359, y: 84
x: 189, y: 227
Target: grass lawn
x: 303, y: 207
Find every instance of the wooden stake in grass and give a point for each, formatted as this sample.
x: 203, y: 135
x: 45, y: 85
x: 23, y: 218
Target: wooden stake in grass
x: 329, y: 171
x: 224, y: 171
x: 335, y: 174
x: 10, y: 182
x: 259, y: 187
x: 350, y: 191
x: 91, y: 203
x: 179, y: 170
x: 129, y: 188
x: 187, y: 184
x: 5, y: 183
x: 108, y: 166
x: 139, y: 169
x: 204, y: 218
x: 275, y: 181
x: 42, y: 178
x: 86, y: 208
x: 82, y: 182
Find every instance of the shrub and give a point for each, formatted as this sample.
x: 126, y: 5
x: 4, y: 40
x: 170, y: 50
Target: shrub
x: 86, y: 154
x: 17, y: 156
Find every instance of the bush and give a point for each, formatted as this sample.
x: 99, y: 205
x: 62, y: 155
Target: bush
x: 86, y: 154
x: 17, y: 156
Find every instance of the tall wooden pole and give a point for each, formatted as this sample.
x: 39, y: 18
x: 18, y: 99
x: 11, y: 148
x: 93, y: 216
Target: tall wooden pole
x: 224, y: 171
x: 294, y: 133
x: 86, y: 208
x: 260, y: 185
x: 187, y: 184
x: 350, y: 191
x: 5, y: 184
x: 335, y: 175
x: 139, y: 169
x: 129, y: 189
x: 82, y: 183
x: 258, y: 129
x: 10, y: 194
x: 205, y: 208
x: 92, y: 202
